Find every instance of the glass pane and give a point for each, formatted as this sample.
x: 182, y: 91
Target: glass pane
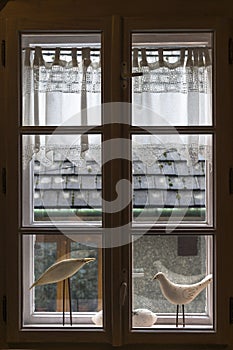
x: 61, y: 74
x: 62, y: 179
x: 183, y: 260
x: 172, y: 179
x: 176, y: 80
x: 43, y: 303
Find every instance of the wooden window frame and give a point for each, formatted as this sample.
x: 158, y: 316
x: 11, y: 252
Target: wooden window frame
x: 117, y: 329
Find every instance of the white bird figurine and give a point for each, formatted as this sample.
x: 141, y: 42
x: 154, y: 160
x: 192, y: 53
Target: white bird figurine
x: 62, y: 271
x: 181, y: 294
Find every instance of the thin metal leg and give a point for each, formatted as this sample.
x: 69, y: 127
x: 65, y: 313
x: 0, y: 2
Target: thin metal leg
x: 177, y: 312
x: 63, y: 302
x: 70, y: 301
x: 183, y: 315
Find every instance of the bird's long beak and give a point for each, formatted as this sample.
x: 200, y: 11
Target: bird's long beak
x: 87, y: 260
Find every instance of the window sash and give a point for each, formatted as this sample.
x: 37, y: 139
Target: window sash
x: 42, y: 228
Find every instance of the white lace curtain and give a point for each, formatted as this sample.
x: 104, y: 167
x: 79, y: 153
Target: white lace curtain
x: 176, y: 87
x: 184, y: 70
x: 176, y: 84
x: 60, y: 83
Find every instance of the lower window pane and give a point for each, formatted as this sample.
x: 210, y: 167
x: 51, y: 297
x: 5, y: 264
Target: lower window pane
x: 60, y: 271
x: 184, y: 260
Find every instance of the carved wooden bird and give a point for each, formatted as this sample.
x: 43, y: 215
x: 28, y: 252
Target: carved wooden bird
x: 181, y: 294
x: 62, y: 271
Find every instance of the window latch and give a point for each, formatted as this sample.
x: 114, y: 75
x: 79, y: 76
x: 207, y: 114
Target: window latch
x: 123, y: 292
x: 125, y: 75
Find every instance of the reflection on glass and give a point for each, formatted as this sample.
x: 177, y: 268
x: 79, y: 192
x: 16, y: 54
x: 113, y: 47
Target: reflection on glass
x: 61, y: 75
x: 184, y: 260
x: 171, y: 178
x: 176, y: 80
x: 62, y: 178
x: 43, y: 304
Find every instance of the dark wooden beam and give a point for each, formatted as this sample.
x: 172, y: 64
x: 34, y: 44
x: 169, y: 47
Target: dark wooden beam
x: 3, y: 3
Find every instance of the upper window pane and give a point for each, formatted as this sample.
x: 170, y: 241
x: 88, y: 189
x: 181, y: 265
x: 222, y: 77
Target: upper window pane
x: 61, y: 75
x: 62, y: 179
x: 172, y: 179
x: 176, y: 80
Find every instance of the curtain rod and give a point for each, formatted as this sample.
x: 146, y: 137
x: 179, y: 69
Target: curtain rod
x: 171, y: 48
x: 62, y: 48
x: 134, y: 47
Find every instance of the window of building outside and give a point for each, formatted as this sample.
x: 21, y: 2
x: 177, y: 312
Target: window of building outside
x: 168, y: 137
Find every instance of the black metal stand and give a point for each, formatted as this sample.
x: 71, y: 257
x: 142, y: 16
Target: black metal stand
x: 183, y: 315
x: 177, y: 315
x: 70, y: 301
x: 63, y: 301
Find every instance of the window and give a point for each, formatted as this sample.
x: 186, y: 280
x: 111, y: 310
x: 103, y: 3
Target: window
x: 120, y: 172
x: 171, y: 173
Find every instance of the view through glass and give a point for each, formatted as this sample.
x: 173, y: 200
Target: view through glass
x: 172, y: 179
